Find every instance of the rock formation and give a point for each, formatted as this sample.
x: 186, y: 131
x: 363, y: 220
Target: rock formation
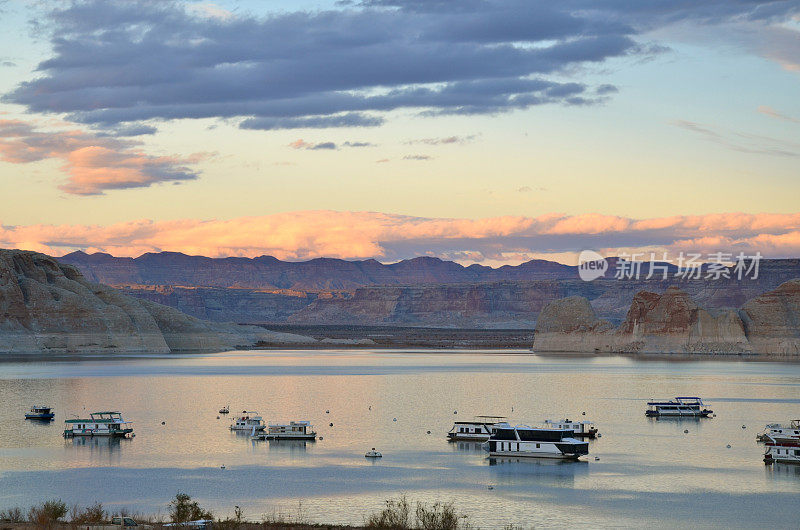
x: 673, y: 323
x: 570, y: 324
x: 46, y: 306
x: 772, y: 320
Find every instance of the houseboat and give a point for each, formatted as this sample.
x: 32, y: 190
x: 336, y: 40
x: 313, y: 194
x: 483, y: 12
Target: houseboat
x: 579, y: 428
x: 108, y: 423
x: 784, y: 452
x: 776, y: 432
x: 477, y: 431
x: 537, y: 443
x: 678, y: 407
x: 294, y: 430
x: 40, y: 413
x: 248, y: 421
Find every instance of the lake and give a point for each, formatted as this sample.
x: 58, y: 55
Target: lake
x: 649, y: 472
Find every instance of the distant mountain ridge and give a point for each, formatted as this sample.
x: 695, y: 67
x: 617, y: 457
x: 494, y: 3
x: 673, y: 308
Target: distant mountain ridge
x: 416, y: 292
x: 267, y: 272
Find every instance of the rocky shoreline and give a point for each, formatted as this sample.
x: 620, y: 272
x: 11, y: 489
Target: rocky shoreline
x: 672, y: 322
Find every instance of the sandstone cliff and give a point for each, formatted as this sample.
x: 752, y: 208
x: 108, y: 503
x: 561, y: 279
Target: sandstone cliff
x: 570, y: 324
x: 46, y: 306
x: 673, y: 323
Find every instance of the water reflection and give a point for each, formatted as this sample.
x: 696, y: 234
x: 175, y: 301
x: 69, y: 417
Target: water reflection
x: 542, y: 471
x: 467, y: 447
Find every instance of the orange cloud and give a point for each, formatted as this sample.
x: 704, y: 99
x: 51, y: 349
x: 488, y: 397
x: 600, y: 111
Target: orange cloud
x: 388, y: 237
x: 93, y: 163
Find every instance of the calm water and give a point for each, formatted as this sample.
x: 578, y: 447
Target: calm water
x: 649, y: 472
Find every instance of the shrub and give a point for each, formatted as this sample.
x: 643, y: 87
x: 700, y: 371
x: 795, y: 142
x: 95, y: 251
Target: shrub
x: 48, y: 512
x: 437, y: 517
x: 93, y: 514
x: 182, y: 509
x: 12, y: 515
x: 395, y: 515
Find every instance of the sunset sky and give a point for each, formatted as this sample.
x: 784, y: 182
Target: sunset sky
x: 475, y: 130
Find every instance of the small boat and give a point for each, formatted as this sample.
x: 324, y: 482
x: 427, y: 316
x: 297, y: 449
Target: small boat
x: 478, y: 430
x: 680, y: 407
x: 40, y: 413
x: 578, y: 428
x: 777, y: 432
x: 225, y: 410
x: 294, y: 430
x: 108, y: 423
x: 373, y: 454
x: 249, y: 421
x: 526, y: 441
x: 784, y: 452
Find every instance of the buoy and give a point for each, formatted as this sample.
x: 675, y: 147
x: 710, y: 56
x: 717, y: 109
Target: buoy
x: 394, y: 419
x: 327, y: 412
x: 596, y: 458
x: 370, y: 407
x: 583, y: 413
x: 685, y: 431
x: 320, y: 437
x: 455, y: 412
x: 728, y: 446
x: 429, y: 432
x: 222, y: 466
x: 491, y: 487
x: 744, y: 426
x: 217, y: 417
x: 599, y: 435
x: 163, y: 423
x: 330, y: 425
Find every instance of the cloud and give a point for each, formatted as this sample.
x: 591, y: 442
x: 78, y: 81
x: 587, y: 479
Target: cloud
x: 389, y: 237
x: 418, y: 157
x: 117, y: 62
x: 302, y: 144
x: 359, y: 144
x: 8, y: 64
x: 442, y: 141
x: 743, y: 142
x: 139, y: 60
x: 769, y: 111
x: 382, y: 161
x: 93, y: 163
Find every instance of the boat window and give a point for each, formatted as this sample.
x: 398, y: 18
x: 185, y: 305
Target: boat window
x: 538, y: 446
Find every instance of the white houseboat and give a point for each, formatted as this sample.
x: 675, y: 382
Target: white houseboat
x: 776, y: 432
x: 678, y: 407
x: 248, y: 421
x: 40, y: 413
x: 537, y: 443
x: 294, y: 430
x: 784, y: 452
x: 579, y: 428
x: 477, y: 431
x: 108, y: 423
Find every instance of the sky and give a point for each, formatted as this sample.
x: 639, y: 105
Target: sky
x: 482, y: 131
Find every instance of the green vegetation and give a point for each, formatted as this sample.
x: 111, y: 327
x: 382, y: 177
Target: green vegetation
x: 182, y: 509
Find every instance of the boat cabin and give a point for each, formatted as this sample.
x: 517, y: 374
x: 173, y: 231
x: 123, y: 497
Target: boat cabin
x: 108, y: 423
x: 680, y: 406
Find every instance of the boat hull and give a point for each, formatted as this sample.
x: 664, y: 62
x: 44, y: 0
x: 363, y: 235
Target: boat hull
x: 97, y: 434
x: 467, y: 437
x: 658, y: 414
x: 40, y: 417
x: 267, y: 436
x: 527, y: 454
